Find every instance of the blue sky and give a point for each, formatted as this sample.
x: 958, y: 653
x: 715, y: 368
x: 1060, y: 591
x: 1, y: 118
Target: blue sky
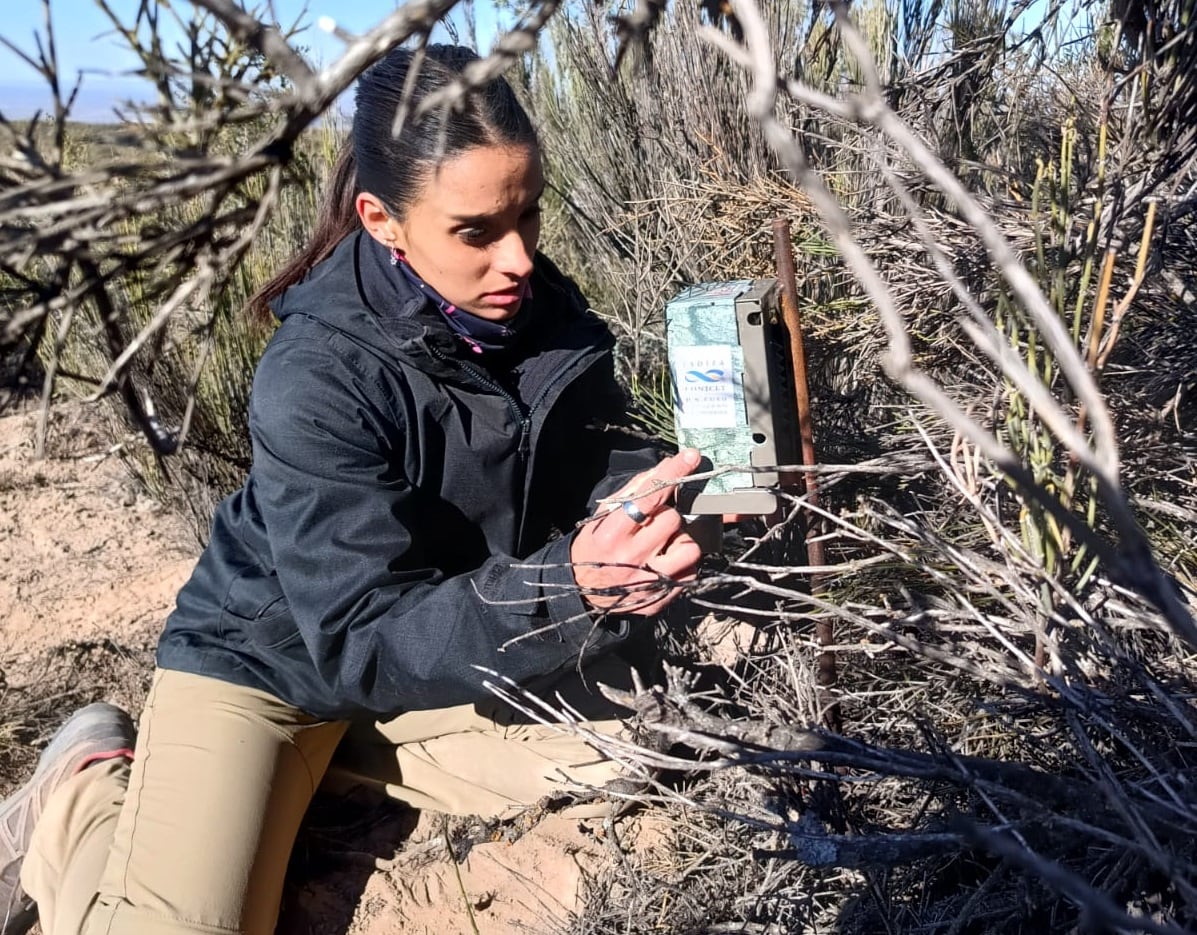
x: 86, y: 42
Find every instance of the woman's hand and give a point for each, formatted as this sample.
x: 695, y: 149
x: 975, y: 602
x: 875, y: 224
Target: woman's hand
x: 631, y: 565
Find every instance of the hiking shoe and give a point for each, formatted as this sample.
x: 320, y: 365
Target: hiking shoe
x: 97, y: 732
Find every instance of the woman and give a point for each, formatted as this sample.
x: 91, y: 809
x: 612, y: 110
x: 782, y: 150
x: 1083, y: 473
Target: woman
x: 429, y: 424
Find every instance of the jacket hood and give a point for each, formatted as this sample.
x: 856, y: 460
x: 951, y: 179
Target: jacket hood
x: 357, y: 291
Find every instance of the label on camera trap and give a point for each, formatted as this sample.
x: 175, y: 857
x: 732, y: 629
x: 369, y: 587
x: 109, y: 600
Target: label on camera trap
x: 705, y: 381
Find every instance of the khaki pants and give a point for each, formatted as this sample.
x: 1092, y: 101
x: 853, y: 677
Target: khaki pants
x: 194, y: 836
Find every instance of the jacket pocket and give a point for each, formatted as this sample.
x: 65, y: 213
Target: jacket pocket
x: 256, y: 608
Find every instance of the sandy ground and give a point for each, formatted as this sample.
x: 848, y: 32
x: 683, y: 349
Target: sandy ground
x: 89, y: 567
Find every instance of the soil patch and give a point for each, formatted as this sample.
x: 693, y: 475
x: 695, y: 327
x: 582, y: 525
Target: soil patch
x: 89, y: 569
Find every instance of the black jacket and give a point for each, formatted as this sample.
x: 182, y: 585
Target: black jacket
x: 392, y: 532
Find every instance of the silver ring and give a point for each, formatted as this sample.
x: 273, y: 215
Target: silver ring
x: 635, y: 514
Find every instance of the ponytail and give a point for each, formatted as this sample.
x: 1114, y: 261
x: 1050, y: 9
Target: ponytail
x: 336, y: 221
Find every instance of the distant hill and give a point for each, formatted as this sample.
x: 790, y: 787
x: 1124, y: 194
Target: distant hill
x: 96, y: 101
x: 98, y: 97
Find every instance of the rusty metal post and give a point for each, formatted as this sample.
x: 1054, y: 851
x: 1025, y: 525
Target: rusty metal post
x: 825, y: 671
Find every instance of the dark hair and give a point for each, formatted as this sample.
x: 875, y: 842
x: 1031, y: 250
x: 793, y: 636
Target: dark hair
x: 394, y: 168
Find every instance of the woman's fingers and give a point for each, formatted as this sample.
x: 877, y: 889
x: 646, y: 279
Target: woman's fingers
x: 649, y: 491
x: 650, y: 536
x: 679, y: 561
x: 662, y: 526
x: 649, y: 587
x: 629, y: 559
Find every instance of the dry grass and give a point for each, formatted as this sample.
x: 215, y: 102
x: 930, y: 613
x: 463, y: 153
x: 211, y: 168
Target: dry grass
x: 967, y: 625
x: 36, y: 695
x: 203, y: 362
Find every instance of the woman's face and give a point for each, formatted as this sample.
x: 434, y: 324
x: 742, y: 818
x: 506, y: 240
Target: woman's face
x: 472, y: 230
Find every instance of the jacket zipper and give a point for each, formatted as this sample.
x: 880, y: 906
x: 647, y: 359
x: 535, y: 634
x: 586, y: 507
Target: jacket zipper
x: 480, y: 379
x: 570, y: 370
x: 525, y: 416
